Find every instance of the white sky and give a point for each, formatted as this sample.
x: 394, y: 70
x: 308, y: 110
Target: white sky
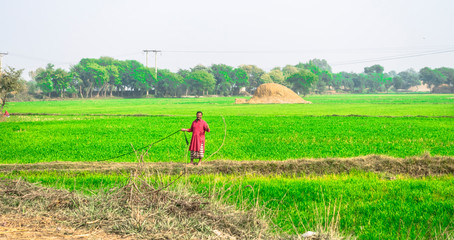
x: 264, y: 33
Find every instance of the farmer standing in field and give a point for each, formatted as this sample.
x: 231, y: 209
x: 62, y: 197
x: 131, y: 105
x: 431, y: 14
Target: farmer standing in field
x: 198, y: 129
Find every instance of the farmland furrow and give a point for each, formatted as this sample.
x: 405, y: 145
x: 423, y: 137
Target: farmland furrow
x: 413, y: 166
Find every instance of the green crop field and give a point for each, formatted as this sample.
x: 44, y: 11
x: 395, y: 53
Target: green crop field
x: 370, y: 205
x: 375, y: 105
x: 248, y: 138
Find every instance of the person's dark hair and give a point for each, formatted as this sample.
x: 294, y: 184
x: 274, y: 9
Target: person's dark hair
x: 199, y: 112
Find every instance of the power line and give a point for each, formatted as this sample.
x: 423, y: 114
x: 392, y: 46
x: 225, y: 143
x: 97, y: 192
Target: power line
x: 285, y: 51
x: 38, y: 59
x: 393, y: 57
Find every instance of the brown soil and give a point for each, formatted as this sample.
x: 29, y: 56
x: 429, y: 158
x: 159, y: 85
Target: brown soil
x: 275, y: 93
x: 413, y: 166
x: 134, y: 211
x: 18, y: 227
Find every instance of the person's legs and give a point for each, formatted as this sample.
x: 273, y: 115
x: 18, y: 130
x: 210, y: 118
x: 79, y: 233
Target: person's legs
x: 193, y: 155
x: 200, y: 155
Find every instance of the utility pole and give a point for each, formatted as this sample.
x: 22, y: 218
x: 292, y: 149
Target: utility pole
x: 155, y: 59
x: 155, y: 62
x: 1, y: 56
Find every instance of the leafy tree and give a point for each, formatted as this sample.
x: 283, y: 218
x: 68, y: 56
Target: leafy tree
x: 239, y: 79
x: 322, y: 64
x: 143, y: 79
x: 84, y: 73
x: 169, y: 84
x: 289, y: 70
x: 376, y: 80
x: 183, y: 73
x: 44, y: 79
x: 277, y: 75
x: 200, y: 67
x: 302, y: 81
x: 10, y: 81
x: 325, y: 78
x: 97, y: 75
x: 77, y: 84
x: 359, y: 82
x: 347, y: 83
x: 448, y: 74
x: 136, y: 76
x: 431, y: 77
x: 319, y: 64
x: 266, y: 78
x: 114, y: 78
x: 200, y: 81
x: 254, y: 73
x: 222, y: 73
x: 398, y: 83
x: 409, y: 78
x: 322, y: 69
x: 31, y: 86
x: 374, y: 69
x: 61, y: 80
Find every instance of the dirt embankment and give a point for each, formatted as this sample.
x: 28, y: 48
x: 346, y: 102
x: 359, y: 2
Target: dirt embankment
x: 413, y: 166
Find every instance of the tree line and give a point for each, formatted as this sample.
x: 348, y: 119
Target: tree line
x: 107, y: 76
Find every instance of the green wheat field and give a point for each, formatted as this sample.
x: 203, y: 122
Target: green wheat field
x: 368, y: 204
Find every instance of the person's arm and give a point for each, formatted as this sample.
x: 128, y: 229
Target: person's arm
x: 207, y: 128
x: 187, y: 130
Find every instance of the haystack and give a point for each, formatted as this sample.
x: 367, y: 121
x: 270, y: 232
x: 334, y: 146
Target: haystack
x: 275, y: 93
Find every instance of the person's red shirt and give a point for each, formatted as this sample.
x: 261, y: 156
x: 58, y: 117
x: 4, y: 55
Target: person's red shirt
x: 198, y: 129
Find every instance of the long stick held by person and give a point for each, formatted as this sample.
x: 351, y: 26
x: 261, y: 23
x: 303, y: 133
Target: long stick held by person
x: 197, y: 146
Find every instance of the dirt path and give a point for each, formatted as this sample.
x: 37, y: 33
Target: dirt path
x: 414, y: 166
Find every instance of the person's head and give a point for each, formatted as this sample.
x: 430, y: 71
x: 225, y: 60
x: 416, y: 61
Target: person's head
x: 199, y: 115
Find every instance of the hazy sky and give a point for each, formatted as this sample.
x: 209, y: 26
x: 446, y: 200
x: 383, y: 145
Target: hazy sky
x: 348, y: 34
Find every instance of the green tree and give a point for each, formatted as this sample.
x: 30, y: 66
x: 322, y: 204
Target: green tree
x: 277, y: 75
x: 431, y: 77
x: 376, y: 80
x: 289, y: 70
x: 448, y: 74
x: 359, y: 82
x: 302, y: 81
x: 143, y: 79
x: 266, y: 78
x: 200, y: 81
x: 222, y: 73
x: 398, y: 83
x: 44, y: 79
x: 322, y: 64
x: 200, y: 67
x: 374, y: 69
x: 61, y: 80
x: 136, y: 76
x: 98, y: 75
x: 315, y: 65
x: 10, y: 82
x: 183, y: 73
x: 409, y: 78
x: 239, y: 79
x: 114, y: 79
x: 169, y: 84
x: 85, y: 71
x: 254, y: 73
